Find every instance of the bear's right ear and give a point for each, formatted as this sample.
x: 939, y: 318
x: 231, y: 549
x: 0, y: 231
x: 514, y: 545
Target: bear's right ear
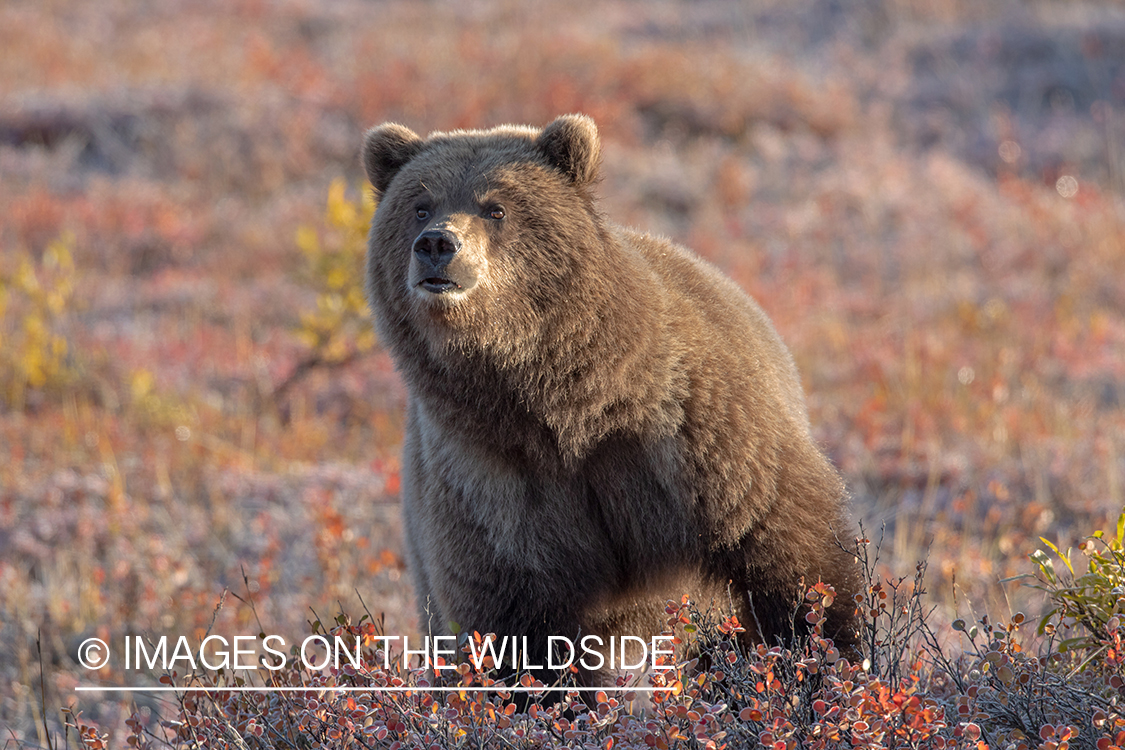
x: 571, y: 144
x: 386, y: 149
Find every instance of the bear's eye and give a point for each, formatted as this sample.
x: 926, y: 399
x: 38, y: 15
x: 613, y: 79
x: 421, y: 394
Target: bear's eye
x: 422, y: 214
x: 496, y: 213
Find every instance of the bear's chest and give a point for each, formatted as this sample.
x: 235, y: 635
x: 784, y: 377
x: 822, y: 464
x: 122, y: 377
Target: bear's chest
x: 620, y: 504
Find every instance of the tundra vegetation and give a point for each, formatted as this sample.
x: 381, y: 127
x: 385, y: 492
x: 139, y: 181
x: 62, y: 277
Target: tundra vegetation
x: 201, y: 435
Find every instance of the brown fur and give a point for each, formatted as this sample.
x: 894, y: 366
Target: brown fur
x: 598, y: 421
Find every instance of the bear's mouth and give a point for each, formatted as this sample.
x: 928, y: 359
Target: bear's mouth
x: 438, y: 285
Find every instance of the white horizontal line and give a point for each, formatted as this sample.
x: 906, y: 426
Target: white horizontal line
x: 346, y: 689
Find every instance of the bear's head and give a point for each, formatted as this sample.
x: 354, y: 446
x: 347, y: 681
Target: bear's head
x: 482, y: 238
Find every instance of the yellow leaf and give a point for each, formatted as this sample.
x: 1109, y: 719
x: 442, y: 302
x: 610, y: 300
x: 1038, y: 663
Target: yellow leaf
x: 308, y: 241
x: 337, y: 278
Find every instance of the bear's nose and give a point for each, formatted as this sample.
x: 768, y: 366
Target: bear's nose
x: 438, y: 246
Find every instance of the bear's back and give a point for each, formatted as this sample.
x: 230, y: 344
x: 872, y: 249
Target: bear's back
x: 719, y: 324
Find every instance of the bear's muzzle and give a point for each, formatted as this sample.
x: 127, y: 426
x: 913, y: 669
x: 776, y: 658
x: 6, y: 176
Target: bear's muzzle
x: 434, y: 268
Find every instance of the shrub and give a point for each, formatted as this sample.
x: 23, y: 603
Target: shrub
x: 904, y: 692
x: 338, y: 329
x: 35, y: 296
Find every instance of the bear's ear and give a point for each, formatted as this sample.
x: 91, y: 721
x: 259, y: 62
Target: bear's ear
x: 571, y: 144
x: 386, y: 149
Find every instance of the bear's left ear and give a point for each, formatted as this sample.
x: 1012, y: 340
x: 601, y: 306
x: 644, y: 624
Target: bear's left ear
x: 386, y: 149
x: 571, y: 144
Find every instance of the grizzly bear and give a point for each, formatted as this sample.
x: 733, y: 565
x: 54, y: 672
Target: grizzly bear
x: 598, y: 421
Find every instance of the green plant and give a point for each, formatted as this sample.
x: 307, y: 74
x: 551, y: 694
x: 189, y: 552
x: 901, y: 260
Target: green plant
x: 1093, y: 601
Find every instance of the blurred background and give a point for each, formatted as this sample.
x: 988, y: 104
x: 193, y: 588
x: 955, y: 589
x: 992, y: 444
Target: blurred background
x: 927, y: 196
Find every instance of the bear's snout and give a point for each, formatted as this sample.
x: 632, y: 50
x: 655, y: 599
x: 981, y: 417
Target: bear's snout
x: 445, y: 265
x: 434, y: 251
x: 437, y: 246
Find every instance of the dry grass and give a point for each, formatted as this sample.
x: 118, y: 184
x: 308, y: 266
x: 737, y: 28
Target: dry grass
x: 959, y: 322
